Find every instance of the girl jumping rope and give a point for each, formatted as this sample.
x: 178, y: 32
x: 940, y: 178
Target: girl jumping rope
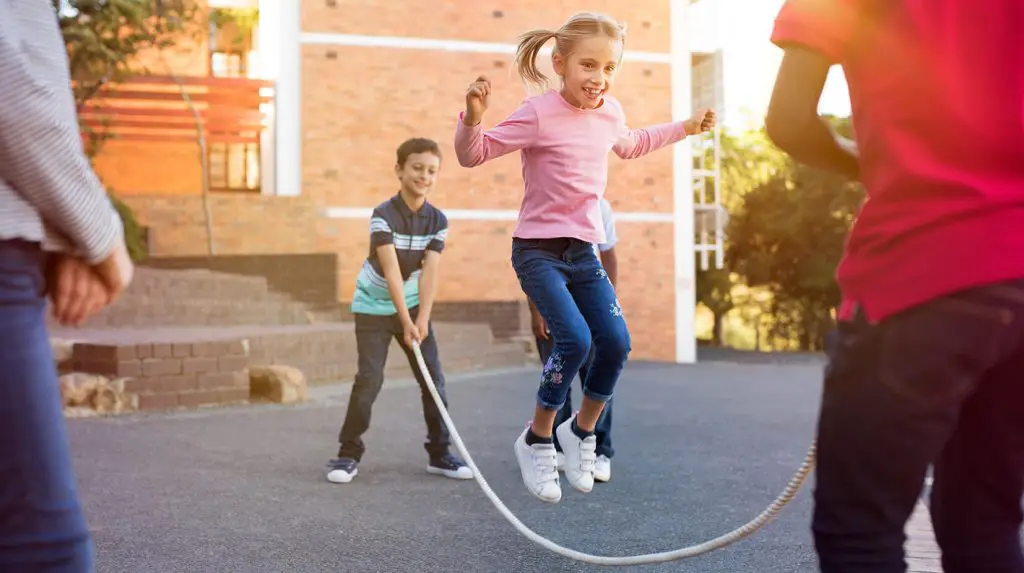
x: 564, y: 137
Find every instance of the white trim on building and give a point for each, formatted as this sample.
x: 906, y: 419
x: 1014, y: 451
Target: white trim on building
x: 286, y: 71
x: 494, y: 215
x: 448, y: 45
x: 682, y: 190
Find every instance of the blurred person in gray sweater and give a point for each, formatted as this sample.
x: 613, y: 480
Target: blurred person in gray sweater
x: 61, y: 245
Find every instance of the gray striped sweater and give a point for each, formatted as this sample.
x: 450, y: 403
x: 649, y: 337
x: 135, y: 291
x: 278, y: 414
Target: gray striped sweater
x: 48, y: 191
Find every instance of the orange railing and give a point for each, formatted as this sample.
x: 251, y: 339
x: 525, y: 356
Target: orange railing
x: 152, y: 108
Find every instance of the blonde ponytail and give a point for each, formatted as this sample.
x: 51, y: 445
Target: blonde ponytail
x: 530, y: 45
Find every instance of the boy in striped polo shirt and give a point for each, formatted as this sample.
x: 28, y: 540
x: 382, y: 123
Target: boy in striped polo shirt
x: 393, y: 298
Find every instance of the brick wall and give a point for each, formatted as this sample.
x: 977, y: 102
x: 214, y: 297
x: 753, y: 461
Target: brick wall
x: 242, y: 224
x: 171, y: 374
x: 496, y: 21
x: 309, y: 278
x: 349, y: 150
x: 353, y: 118
x: 190, y: 54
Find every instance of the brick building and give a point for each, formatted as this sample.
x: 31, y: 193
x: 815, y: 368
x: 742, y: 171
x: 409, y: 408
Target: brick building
x: 351, y: 79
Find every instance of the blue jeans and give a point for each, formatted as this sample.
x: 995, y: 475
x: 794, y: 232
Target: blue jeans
x: 42, y: 528
x: 373, y: 339
x: 571, y: 290
x: 942, y: 385
x: 603, y: 428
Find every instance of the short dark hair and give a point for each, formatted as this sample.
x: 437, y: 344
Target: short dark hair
x: 416, y: 145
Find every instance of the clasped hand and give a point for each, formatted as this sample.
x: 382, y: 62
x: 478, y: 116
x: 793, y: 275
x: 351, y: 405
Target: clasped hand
x: 78, y: 290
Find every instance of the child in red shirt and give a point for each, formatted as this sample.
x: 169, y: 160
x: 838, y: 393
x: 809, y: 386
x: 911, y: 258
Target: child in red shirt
x: 928, y: 366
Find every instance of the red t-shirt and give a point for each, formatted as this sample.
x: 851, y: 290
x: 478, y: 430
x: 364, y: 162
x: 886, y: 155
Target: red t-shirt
x: 937, y: 94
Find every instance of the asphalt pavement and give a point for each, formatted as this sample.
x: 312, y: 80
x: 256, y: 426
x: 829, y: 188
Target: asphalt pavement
x: 700, y: 450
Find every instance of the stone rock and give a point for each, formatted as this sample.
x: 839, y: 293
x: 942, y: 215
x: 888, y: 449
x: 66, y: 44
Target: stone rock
x: 77, y: 388
x: 278, y: 384
x: 90, y: 392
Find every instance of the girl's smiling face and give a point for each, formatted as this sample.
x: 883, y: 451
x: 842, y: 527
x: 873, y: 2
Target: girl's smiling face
x: 589, y: 70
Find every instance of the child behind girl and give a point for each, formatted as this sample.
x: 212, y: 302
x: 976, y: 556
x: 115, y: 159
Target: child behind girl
x: 564, y: 137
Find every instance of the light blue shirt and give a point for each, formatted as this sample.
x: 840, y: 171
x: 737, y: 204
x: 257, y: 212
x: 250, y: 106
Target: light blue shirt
x: 610, y: 237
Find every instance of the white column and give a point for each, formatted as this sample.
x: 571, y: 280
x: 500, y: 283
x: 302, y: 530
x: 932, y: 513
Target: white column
x: 266, y: 63
x: 682, y: 189
x: 282, y: 20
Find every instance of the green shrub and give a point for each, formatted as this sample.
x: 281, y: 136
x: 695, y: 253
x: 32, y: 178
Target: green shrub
x: 134, y: 233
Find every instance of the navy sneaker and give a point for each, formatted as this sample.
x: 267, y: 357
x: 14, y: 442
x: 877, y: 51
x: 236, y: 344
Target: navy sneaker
x: 451, y: 466
x: 342, y: 470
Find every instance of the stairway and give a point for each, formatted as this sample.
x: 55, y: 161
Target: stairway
x: 194, y: 297
x: 185, y: 306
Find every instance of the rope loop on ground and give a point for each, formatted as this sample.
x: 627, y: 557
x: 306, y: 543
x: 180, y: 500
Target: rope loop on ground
x: 733, y: 536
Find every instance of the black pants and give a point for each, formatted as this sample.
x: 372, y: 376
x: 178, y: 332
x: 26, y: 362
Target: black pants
x: 939, y: 385
x: 373, y: 337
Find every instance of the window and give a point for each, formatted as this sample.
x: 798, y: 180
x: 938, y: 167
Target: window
x: 231, y: 41
x: 234, y: 166
x: 227, y: 65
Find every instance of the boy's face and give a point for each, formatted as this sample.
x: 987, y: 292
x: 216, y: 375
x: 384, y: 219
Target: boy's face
x: 419, y: 173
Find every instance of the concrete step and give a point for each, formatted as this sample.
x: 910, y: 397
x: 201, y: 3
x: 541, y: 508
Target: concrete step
x: 198, y: 283
x: 462, y: 334
x: 133, y: 310
x: 172, y: 298
x: 498, y: 355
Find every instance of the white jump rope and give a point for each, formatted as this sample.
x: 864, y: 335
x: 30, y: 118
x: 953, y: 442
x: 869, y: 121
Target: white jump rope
x: 692, y: 551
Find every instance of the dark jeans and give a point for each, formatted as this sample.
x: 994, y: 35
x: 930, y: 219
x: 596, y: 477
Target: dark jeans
x: 373, y: 337
x: 571, y: 290
x: 938, y: 385
x: 603, y: 428
x: 42, y: 528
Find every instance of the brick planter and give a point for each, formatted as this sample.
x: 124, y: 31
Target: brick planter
x: 166, y: 375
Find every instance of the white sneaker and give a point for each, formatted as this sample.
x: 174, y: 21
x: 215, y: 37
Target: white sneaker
x: 537, y: 464
x: 450, y: 465
x: 602, y: 469
x: 580, y: 456
x: 342, y: 470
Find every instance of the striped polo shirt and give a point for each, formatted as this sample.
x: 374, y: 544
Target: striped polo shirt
x: 412, y: 233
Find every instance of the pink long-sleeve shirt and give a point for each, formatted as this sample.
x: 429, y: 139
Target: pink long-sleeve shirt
x: 564, y: 151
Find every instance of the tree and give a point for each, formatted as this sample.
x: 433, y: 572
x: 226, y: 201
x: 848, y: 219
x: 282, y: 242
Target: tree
x: 714, y: 291
x: 105, y: 39
x: 746, y: 161
x: 788, y: 237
